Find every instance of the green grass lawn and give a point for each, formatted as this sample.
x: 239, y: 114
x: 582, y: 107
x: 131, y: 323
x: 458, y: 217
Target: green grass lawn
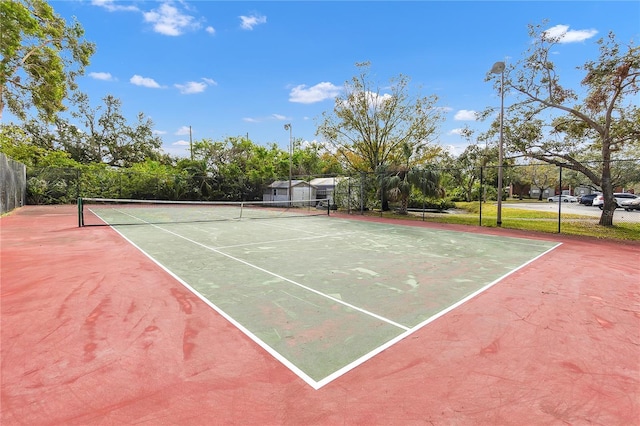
x: 531, y: 220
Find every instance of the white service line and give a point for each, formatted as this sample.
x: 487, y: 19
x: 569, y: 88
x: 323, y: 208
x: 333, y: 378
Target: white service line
x: 251, y: 265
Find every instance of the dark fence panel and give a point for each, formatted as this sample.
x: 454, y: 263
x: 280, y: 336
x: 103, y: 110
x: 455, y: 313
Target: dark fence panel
x: 13, y: 184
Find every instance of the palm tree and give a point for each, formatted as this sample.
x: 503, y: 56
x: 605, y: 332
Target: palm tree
x: 385, y: 184
x: 427, y: 181
x: 399, y: 186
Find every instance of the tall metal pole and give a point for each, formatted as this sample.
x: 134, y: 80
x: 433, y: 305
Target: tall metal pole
x: 498, y: 68
x: 288, y: 127
x: 190, y: 144
x: 501, y: 150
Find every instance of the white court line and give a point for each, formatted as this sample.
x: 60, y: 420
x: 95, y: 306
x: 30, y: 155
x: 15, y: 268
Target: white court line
x: 415, y: 328
x: 315, y: 237
x: 464, y: 235
x: 338, y: 373
x: 273, y: 274
x: 284, y: 361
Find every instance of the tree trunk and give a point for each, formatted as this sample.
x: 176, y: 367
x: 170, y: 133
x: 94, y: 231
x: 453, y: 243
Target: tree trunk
x: 384, y: 203
x: 606, y: 219
x: 404, y: 205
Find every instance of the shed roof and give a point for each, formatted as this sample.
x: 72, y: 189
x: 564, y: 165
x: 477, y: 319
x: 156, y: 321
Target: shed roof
x: 285, y: 183
x: 327, y: 181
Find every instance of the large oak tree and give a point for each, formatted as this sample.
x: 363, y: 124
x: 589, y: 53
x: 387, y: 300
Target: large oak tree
x: 556, y: 124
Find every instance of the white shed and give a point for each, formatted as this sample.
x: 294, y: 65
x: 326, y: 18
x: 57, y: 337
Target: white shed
x: 301, y: 191
x: 326, y: 186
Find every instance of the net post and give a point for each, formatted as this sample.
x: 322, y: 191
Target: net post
x: 80, y: 213
x: 329, y: 207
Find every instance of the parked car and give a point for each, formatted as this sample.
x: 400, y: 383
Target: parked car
x: 598, y: 201
x: 587, y: 199
x: 630, y: 204
x: 620, y: 198
x: 565, y: 199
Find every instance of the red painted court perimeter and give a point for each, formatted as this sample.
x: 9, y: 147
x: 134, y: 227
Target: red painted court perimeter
x: 94, y: 333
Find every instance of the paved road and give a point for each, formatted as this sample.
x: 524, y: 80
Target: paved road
x: 575, y: 208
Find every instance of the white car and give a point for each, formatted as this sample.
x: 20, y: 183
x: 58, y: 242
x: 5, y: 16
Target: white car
x: 630, y: 204
x: 621, y: 198
x: 565, y: 199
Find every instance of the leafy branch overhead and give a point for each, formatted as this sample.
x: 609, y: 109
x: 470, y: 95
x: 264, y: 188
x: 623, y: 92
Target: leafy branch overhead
x: 42, y: 55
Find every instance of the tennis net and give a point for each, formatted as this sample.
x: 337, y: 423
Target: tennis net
x: 110, y: 211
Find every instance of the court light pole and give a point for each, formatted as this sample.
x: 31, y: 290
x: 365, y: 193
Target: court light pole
x: 288, y: 127
x: 498, y: 68
x: 190, y: 143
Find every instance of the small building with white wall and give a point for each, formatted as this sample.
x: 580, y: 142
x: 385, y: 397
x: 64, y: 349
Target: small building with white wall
x: 326, y: 186
x: 302, y: 192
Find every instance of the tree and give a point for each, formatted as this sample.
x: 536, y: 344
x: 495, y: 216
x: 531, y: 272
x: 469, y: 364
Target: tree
x: 41, y: 56
x: 108, y: 137
x: 398, y: 185
x: 554, y: 124
x: 541, y: 176
x: 367, y: 129
x: 465, y: 169
x: 311, y: 159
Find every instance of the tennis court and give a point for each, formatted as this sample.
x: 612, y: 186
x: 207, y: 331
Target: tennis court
x: 311, y: 320
x: 322, y: 295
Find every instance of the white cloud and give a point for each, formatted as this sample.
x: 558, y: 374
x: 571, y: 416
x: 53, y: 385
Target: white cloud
x: 308, y: 95
x: 278, y: 117
x: 105, y: 76
x: 465, y: 115
x: 178, y: 148
x: 191, y: 87
x: 159, y: 132
x: 144, y: 81
x: 562, y: 34
x: 210, y: 30
x: 168, y: 20
x: 182, y: 131
x: 248, y: 22
x: 112, y: 6
x: 453, y: 150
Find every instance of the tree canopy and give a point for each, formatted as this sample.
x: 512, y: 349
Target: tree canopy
x: 41, y: 56
x: 368, y: 129
x: 557, y: 124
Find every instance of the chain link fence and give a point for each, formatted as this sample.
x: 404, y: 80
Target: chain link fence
x: 529, y: 191
x: 13, y: 184
x: 549, y: 194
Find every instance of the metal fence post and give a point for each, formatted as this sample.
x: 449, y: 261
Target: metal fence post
x: 481, y: 194
x: 560, y: 201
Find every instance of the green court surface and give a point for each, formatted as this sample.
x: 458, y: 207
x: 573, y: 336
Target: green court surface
x: 324, y: 294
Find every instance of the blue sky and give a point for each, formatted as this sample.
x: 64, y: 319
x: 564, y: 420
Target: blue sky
x: 231, y: 68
